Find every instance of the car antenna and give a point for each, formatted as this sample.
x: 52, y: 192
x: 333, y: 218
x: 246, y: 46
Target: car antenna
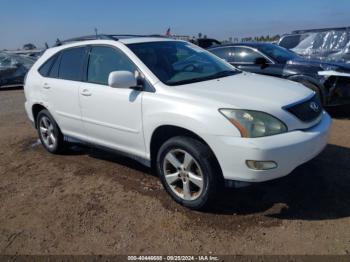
x: 58, y: 42
x: 96, y: 32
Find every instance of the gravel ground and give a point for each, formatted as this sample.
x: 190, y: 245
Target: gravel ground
x: 93, y: 202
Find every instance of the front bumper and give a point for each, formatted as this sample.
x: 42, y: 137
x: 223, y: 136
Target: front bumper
x: 288, y: 150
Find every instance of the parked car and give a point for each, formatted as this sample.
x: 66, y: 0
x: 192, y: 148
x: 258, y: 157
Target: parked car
x: 13, y: 68
x: 330, y: 81
x: 169, y: 104
x: 328, y: 44
x: 206, y: 42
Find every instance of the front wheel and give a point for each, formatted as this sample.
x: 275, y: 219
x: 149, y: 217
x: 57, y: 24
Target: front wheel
x: 188, y: 171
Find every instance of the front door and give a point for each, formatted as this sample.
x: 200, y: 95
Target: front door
x: 112, y: 117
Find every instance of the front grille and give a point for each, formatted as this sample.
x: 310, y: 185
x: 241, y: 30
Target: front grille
x: 306, y: 111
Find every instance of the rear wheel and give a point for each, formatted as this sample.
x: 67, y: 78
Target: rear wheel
x: 49, y: 133
x: 188, y: 172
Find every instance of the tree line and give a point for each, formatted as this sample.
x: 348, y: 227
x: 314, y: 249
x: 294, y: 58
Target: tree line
x: 267, y: 38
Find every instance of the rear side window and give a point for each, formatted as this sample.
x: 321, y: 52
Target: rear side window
x: 71, y: 65
x: 104, y: 60
x: 243, y: 55
x: 44, y: 70
x: 222, y: 52
x: 54, y: 69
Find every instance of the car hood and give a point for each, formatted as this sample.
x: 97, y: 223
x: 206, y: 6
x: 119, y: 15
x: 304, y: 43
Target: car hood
x: 247, y: 91
x: 250, y: 92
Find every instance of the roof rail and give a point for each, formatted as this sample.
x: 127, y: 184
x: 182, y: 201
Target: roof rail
x: 119, y: 36
x: 83, y: 38
x: 114, y: 37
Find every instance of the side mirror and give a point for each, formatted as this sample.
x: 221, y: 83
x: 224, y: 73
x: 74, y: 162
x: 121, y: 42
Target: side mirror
x: 261, y: 61
x: 122, y: 79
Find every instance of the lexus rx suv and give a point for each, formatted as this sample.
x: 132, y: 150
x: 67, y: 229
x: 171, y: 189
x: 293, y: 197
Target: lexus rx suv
x: 201, y: 123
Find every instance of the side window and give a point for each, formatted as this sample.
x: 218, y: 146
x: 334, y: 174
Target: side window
x: 71, y: 65
x: 104, y: 60
x: 55, y: 67
x: 44, y: 70
x: 244, y: 55
x: 222, y: 53
x: 290, y: 41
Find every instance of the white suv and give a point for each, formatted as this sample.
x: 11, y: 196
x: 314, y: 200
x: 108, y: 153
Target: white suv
x: 174, y: 106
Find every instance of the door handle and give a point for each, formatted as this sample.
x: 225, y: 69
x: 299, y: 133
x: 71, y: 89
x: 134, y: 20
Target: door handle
x: 86, y: 92
x: 46, y: 86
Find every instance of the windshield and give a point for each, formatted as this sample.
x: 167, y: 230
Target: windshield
x: 177, y: 63
x: 277, y: 53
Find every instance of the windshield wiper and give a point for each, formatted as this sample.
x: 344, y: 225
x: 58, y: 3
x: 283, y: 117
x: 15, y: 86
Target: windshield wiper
x: 205, y: 78
x: 224, y: 73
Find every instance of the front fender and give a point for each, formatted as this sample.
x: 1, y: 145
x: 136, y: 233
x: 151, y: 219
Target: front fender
x: 202, y: 120
x: 306, y: 78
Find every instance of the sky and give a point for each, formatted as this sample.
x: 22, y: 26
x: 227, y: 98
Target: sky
x: 40, y: 21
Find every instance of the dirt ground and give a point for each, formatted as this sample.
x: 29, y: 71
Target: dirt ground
x: 93, y: 202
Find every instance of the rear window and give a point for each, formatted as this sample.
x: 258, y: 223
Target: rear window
x: 71, y: 65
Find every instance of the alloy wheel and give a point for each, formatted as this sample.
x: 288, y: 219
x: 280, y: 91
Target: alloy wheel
x: 47, y: 132
x: 183, y: 174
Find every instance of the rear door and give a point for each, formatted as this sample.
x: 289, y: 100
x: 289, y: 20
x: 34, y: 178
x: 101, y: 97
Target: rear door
x: 112, y: 117
x: 61, y: 89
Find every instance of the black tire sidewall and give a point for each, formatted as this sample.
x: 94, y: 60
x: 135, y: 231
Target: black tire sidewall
x: 203, y: 156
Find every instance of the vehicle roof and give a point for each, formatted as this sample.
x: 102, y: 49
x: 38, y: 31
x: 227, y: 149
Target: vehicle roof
x: 319, y: 30
x: 249, y: 44
x: 125, y: 41
x: 124, y: 38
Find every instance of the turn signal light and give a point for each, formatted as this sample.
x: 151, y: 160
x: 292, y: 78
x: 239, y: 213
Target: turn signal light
x: 261, y: 165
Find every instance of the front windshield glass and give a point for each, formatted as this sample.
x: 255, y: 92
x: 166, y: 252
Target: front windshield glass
x: 177, y: 63
x: 277, y: 53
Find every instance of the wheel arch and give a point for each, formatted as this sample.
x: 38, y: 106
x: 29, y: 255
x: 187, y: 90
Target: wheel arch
x: 164, y: 132
x: 36, y: 108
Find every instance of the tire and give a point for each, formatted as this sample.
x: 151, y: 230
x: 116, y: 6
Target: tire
x: 314, y: 88
x: 49, y: 133
x: 202, y: 170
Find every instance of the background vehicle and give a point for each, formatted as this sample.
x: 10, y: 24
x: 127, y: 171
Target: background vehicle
x: 206, y: 42
x: 329, y: 44
x: 178, y: 108
x: 333, y: 85
x: 13, y: 69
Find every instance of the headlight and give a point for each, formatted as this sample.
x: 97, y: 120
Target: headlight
x: 254, y: 123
